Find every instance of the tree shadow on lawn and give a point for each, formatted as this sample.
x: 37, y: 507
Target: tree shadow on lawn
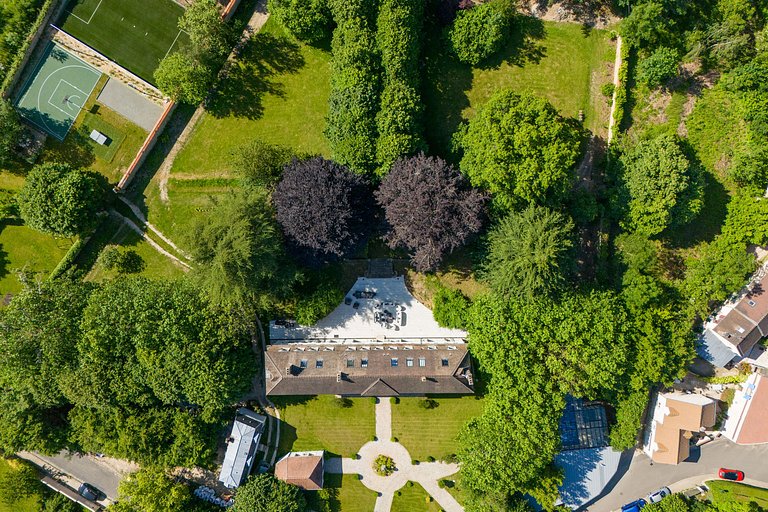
x: 256, y: 74
x: 523, y: 46
x: 4, y: 261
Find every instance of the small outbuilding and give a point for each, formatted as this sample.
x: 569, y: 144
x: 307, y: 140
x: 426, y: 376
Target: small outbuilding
x: 242, y: 445
x: 302, y: 469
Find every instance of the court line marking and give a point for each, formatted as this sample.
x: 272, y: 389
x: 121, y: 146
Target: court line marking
x: 173, y: 43
x: 55, y: 90
x: 92, y: 14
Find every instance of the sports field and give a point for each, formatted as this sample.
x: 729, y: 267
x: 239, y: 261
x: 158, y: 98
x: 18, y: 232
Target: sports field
x: 56, y: 91
x: 136, y: 34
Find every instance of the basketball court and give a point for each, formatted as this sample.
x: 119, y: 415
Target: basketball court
x: 56, y: 91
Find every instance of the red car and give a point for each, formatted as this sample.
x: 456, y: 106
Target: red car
x: 731, y: 474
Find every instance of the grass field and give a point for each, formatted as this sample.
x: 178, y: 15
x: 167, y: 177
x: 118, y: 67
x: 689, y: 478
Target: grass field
x: 723, y: 492
x: 317, y: 423
x: 29, y: 504
x: 278, y: 92
x: 24, y: 248
x: 347, y: 494
x: 413, y: 498
x: 410, y: 422
x: 559, y: 61
x: 136, y: 34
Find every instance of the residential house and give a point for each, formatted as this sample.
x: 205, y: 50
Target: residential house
x: 302, y: 469
x: 747, y: 421
x: 242, y: 445
x: 676, y: 418
x: 735, y: 330
x: 380, y: 342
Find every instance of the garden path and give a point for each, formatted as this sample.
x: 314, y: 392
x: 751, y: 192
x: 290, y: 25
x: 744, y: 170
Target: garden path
x: 426, y: 474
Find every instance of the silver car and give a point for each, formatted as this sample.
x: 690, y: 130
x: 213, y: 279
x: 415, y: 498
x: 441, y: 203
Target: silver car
x: 659, y: 495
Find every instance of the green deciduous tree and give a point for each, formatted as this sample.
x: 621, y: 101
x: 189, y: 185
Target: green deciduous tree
x: 664, y: 188
x: 261, y: 164
x: 20, y: 482
x: 10, y: 129
x: 308, y: 20
x: 265, y: 493
x: 450, y: 308
x: 183, y: 78
x: 151, y: 490
x: 59, y: 200
x: 209, y: 34
x: 528, y: 253
x: 659, y: 67
x: 481, y: 32
x: 520, y: 149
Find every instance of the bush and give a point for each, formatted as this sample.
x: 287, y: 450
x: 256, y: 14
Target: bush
x: 124, y: 262
x: 479, y: 33
x: 315, y: 306
x: 450, y: 308
x: 428, y: 403
x: 342, y: 402
x: 261, y: 164
x: 69, y: 259
x: 8, y: 207
x: 309, y: 20
x: 607, y: 90
x: 659, y: 67
x: 384, y: 466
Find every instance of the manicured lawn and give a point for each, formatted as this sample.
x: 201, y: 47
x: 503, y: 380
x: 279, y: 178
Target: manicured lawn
x: 432, y: 432
x: 315, y: 423
x: 559, y: 61
x: 29, y: 504
x: 24, y: 248
x: 277, y: 92
x: 136, y: 34
x: 80, y: 151
x: 724, y: 492
x: 413, y: 498
x: 157, y: 266
x: 345, y: 494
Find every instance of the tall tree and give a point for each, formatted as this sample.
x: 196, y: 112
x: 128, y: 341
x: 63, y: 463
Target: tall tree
x: 520, y: 149
x: 183, y: 78
x: 265, y: 493
x: 664, y: 188
x: 151, y: 490
x: 528, y: 253
x: 59, y: 200
x: 10, y: 129
x: 322, y: 208
x: 238, y: 251
x: 209, y: 34
x: 308, y: 20
x: 480, y: 32
x: 430, y: 209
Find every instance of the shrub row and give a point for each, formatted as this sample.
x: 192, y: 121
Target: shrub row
x: 29, y: 39
x: 399, y: 121
x: 69, y: 258
x: 355, y: 85
x: 621, y: 91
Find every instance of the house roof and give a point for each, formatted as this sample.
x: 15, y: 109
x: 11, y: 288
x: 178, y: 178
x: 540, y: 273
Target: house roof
x: 241, y: 447
x: 302, y: 469
x: 714, y: 349
x: 375, y: 369
x: 747, y: 321
x: 675, y: 416
x: 585, y: 474
x: 410, y: 319
x: 747, y: 421
x: 583, y: 425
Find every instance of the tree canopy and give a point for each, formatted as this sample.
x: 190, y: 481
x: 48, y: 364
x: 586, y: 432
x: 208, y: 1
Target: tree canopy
x: 10, y: 129
x: 429, y: 208
x: 265, y: 493
x: 309, y: 20
x: 60, y: 200
x: 183, y: 78
x: 151, y: 490
x: 529, y: 253
x: 480, y: 32
x: 665, y: 189
x: 520, y: 149
x: 323, y: 209
x: 261, y: 164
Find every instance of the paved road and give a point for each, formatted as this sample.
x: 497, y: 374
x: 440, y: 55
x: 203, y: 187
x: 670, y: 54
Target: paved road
x: 642, y: 478
x: 75, y: 469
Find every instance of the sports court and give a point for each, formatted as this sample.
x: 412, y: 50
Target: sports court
x: 136, y: 34
x: 56, y: 91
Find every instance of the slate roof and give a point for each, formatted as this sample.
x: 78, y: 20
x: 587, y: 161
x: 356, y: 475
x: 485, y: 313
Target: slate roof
x: 302, y: 469
x: 241, y: 447
x: 374, y: 369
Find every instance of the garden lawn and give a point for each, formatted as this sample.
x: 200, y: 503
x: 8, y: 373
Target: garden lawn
x: 561, y: 62
x: 317, y: 423
x: 157, y: 266
x: 432, y: 432
x: 723, y: 492
x: 277, y: 92
x: 29, y: 504
x: 346, y: 494
x: 22, y: 247
x: 413, y: 498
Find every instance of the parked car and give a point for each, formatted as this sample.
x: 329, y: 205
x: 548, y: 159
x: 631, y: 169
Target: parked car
x: 89, y: 492
x: 659, y: 495
x: 635, y: 506
x: 731, y: 474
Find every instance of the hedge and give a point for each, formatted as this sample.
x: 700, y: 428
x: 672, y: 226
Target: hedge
x: 69, y: 259
x: 399, y: 120
x: 355, y: 87
x: 622, y: 89
x: 7, y: 84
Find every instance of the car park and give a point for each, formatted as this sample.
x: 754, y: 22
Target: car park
x: 731, y: 474
x: 659, y: 495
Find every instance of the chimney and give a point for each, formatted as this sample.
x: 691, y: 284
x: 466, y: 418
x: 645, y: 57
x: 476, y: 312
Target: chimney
x: 289, y: 370
x: 339, y: 376
x: 424, y: 379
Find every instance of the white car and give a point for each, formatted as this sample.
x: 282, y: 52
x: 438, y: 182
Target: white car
x: 659, y: 495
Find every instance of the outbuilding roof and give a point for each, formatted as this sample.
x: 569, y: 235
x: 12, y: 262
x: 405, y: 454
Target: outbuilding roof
x: 241, y: 447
